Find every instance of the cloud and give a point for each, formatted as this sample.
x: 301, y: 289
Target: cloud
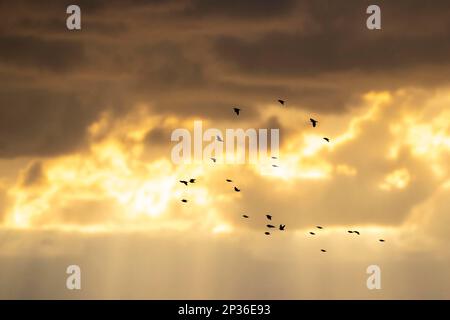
x: 45, y: 55
x: 85, y: 124
x: 42, y: 123
x: 239, y: 10
x: 317, y: 56
x: 33, y: 174
x: 353, y: 180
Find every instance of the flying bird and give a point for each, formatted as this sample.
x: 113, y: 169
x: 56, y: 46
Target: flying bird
x: 192, y: 180
x: 357, y: 232
x: 281, y: 102
x: 323, y: 250
x: 349, y: 231
x: 268, y: 216
x: 319, y: 227
x: 282, y: 226
x: 219, y: 139
x: 326, y: 139
x: 314, y: 122
x: 274, y: 158
x: 229, y: 180
x: 236, y: 110
x: 270, y: 226
x: 275, y: 166
x: 267, y: 233
x: 381, y: 240
x: 184, y: 182
x: 312, y: 233
x: 214, y: 159
x: 236, y: 189
x: 245, y: 216
x: 184, y: 200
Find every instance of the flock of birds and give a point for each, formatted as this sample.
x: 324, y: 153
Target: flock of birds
x: 280, y: 227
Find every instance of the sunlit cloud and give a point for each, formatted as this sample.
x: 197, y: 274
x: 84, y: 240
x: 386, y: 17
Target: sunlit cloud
x: 133, y: 186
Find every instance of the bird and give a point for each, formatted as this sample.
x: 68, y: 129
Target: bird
x: 245, y: 216
x: 323, y: 250
x: 267, y: 233
x: 236, y: 189
x: 357, y: 232
x: 282, y: 226
x: 270, y: 226
x: 219, y: 139
x: 184, y: 200
x: 184, y: 182
x: 274, y: 158
x: 268, y: 216
x: 229, y: 180
x: 192, y: 180
x: 275, y: 166
x: 236, y: 110
x: 314, y: 122
x: 349, y: 231
x: 326, y: 139
x: 214, y: 159
x: 381, y: 240
x: 319, y: 227
x: 281, y: 102
x: 312, y: 233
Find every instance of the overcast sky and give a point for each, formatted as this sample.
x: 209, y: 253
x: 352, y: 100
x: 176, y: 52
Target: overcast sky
x: 86, y: 175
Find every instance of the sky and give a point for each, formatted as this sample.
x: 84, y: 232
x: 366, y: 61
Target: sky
x: 87, y: 178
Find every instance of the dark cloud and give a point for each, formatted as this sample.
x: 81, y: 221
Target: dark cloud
x: 334, y: 42
x: 34, y: 123
x: 157, y: 136
x: 33, y: 174
x: 45, y: 55
x: 310, y: 55
x: 200, y: 59
x: 239, y: 9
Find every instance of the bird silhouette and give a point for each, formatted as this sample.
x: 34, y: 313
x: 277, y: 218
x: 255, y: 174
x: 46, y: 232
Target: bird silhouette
x: 236, y: 110
x: 184, y: 200
x: 349, y: 231
x: 270, y: 226
x: 214, y: 159
x: 323, y: 250
x: 381, y: 240
x: 267, y: 233
x: 319, y: 227
x: 268, y: 216
x: 192, y: 180
x: 219, y: 139
x: 311, y: 233
x: 229, y: 180
x: 314, y: 122
x: 281, y: 102
x: 274, y: 158
x: 245, y: 216
x: 275, y: 166
x: 282, y: 226
x: 326, y: 139
x: 236, y: 189
x: 184, y: 182
x: 357, y: 232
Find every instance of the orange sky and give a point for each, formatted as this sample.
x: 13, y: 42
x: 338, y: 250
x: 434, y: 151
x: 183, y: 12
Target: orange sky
x: 85, y: 150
